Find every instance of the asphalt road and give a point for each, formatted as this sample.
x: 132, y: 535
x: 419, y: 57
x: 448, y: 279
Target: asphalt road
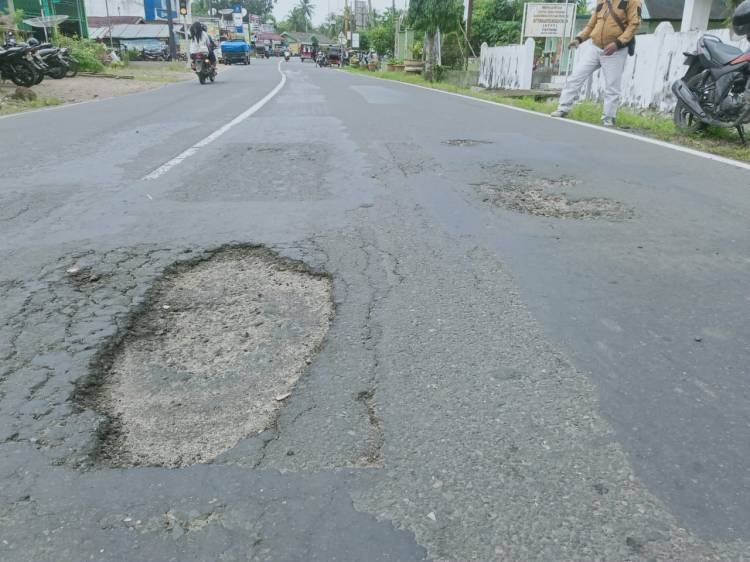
x: 539, y: 349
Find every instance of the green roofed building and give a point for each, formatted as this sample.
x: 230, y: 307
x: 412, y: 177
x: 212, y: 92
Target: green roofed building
x: 75, y: 24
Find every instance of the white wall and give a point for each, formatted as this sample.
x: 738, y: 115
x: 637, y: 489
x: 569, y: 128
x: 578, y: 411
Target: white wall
x: 507, y: 67
x: 116, y: 8
x: 647, y: 80
x: 656, y: 64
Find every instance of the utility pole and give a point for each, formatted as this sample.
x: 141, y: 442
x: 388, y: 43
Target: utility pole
x: 109, y: 23
x: 468, y: 19
x: 346, y: 20
x: 170, y: 27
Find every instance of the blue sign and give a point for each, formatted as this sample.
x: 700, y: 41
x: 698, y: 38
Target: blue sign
x: 237, y: 8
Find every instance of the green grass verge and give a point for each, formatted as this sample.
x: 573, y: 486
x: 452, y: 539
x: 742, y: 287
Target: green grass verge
x: 153, y: 71
x: 723, y: 142
x: 16, y: 106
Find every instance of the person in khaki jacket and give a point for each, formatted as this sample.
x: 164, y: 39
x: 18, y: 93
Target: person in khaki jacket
x: 611, y: 28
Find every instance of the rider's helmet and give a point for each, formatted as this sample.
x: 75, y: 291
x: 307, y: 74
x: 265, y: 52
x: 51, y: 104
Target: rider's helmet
x: 741, y: 19
x: 203, y: 27
x: 33, y: 42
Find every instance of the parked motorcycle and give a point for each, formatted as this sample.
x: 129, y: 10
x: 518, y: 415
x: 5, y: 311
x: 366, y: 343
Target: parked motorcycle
x: 71, y: 61
x: 17, y: 64
x: 203, y: 67
x: 50, y: 58
x: 716, y: 87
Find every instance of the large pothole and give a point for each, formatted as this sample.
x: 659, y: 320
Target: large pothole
x: 519, y: 189
x: 216, y: 349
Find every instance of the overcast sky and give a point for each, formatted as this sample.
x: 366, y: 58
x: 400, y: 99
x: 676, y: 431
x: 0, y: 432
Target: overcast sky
x: 323, y: 7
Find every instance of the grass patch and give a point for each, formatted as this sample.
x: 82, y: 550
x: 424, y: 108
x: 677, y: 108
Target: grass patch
x: 16, y: 106
x: 153, y: 71
x: 714, y: 140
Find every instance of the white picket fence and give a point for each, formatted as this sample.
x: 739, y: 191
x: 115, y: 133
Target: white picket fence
x: 656, y: 64
x: 508, y: 67
x: 648, y: 76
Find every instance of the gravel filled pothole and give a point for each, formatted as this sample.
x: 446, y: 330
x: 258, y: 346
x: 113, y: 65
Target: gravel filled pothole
x: 209, y: 358
x: 518, y: 189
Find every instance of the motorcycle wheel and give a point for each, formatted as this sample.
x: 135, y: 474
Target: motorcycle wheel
x: 685, y: 121
x: 72, y: 68
x: 202, y: 78
x: 23, y: 75
x: 57, y: 72
x: 683, y: 118
x: 39, y: 76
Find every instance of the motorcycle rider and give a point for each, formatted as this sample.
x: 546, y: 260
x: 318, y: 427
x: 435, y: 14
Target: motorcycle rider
x: 201, y: 42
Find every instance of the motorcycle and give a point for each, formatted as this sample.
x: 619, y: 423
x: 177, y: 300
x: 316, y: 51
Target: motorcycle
x: 17, y: 64
x: 287, y: 56
x: 716, y: 87
x: 70, y: 61
x: 203, y: 67
x: 50, y: 58
x: 321, y: 60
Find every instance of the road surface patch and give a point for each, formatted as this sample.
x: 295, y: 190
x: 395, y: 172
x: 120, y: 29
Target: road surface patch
x: 519, y: 189
x: 280, y: 172
x: 210, y: 358
x: 249, y: 112
x: 465, y: 142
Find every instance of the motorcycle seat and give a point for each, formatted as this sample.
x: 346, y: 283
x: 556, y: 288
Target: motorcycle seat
x: 722, y: 53
x: 13, y: 50
x: 43, y: 52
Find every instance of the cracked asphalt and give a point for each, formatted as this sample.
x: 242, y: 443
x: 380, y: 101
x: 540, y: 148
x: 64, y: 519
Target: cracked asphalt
x: 539, y: 347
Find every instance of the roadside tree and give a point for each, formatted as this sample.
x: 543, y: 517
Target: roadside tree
x: 430, y: 15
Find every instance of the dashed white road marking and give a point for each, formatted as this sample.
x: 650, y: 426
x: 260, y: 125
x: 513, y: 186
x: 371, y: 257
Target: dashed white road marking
x: 164, y: 168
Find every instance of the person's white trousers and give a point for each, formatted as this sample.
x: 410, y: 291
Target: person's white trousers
x: 589, y: 59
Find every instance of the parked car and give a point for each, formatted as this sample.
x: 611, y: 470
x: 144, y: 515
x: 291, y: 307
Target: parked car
x: 235, y: 51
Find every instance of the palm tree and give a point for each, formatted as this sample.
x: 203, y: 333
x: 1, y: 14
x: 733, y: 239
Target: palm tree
x: 307, y: 8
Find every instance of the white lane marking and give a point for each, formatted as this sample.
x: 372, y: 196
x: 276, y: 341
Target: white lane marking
x: 664, y: 144
x: 164, y: 168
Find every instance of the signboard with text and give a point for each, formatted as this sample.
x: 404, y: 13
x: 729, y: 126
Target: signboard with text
x: 548, y: 20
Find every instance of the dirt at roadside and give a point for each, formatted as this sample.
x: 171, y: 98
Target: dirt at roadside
x: 84, y: 88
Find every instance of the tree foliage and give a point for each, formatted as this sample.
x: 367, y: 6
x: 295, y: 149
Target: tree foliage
x: 382, y: 39
x: 431, y: 15
x: 332, y: 25
x: 452, y: 51
x: 294, y: 21
x: 496, y: 22
x: 307, y: 8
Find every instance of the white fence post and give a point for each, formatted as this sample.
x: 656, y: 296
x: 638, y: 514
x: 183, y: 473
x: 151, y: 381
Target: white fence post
x: 509, y: 67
